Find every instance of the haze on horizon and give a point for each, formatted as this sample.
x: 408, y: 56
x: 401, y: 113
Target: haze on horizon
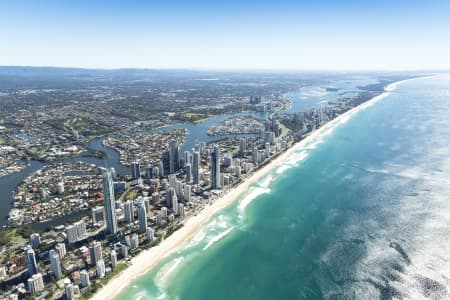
x: 284, y: 35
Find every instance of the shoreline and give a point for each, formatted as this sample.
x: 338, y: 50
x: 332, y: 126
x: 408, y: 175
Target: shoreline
x: 149, y: 258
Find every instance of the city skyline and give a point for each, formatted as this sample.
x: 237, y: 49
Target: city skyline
x: 264, y: 35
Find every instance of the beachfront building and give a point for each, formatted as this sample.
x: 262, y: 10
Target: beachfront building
x: 110, y: 203
x: 101, y: 269
x: 113, y: 259
x: 215, y: 168
x: 150, y: 234
x: 84, y: 279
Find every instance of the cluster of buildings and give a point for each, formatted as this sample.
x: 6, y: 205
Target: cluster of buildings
x: 56, y: 190
x: 151, y: 205
x: 144, y: 146
x: 237, y: 125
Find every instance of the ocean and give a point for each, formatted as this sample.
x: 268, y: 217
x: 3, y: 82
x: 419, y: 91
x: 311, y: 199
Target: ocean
x: 362, y: 211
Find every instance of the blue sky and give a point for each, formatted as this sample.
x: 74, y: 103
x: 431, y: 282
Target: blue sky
x: 323, y: 34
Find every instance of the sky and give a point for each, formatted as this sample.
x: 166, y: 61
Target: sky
x: 265, y: 34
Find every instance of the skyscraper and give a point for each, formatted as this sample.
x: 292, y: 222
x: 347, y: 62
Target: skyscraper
x: 172, y: 200
x: 68, y: 289
x: 149, y: 171
x: 150, y: 234
x: 35, y: 283
x: 135, y: 170
x: 95, y: 252
x: 129, y: 211
x: 142, y: 215
x: 30, y: 259
x: 188, y: 173
x: 174, y: 154
x: 101, y: 269
x: 215, y: 168
x: 84, y: 278
x: 113, y: 259
x: 55, y: 263
x: 242, y: 147
x: 196, y: 167
x: 110, y: 203
x: 165, y: 163
x: 35, y: 240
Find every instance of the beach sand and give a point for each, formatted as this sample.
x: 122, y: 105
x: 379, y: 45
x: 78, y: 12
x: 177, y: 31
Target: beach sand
x: 148, y: 259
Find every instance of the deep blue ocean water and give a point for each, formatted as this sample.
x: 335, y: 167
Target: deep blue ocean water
x: 360, y: 212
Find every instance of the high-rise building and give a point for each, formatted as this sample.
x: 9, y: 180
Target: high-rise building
x: 101, y: 269
x: 163, y: 212
x: 124, y: 251
x: 142, y: 215
x: 110, y: 203
x: 113, y: 259
x: 150, y: 234
x: 149, y: 171
x: 98, y: 214
x: 242, y: 147
x: 215, y: 168
x: 72, y: 234
x: 35, y: 283
x: 55, y: 263
x: 188, y: 173
x: 81, y: 229
x: 196, y: 167
x: 174, y: 157
x: 84, y: 279
x: 95, y: 252
x: 267, y: 149
x: 187, y: 192
x: 30, y: 259
x: 135, y: 170
x: 165, y: 163
x: 181, y: 210
x: 134, y: 241
x: 35, y: 240
x: 129, y: 211
x: 61, y: 249
x: 172, y: 200
x: 68, y: 290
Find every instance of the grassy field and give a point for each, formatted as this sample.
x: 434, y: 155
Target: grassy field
x: 197, y: 118
x: 2, y: 141
x: 83, y: 126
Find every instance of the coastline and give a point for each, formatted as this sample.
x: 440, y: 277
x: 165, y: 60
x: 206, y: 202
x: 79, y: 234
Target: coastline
x: 148, y: 259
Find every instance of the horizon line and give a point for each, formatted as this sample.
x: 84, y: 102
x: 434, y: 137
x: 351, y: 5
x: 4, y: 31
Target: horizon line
x: 289, y: 70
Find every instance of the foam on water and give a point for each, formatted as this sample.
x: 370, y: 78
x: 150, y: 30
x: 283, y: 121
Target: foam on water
x: 283, y: 168
x: 165, y: 273
x: 252, y: 195
x: 265, y: 183
x: 217, y: 238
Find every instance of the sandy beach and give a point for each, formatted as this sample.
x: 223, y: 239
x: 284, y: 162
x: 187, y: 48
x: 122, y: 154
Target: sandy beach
x: 149, y: 258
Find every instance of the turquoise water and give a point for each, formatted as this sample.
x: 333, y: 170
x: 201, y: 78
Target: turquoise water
x: 361, y: 212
